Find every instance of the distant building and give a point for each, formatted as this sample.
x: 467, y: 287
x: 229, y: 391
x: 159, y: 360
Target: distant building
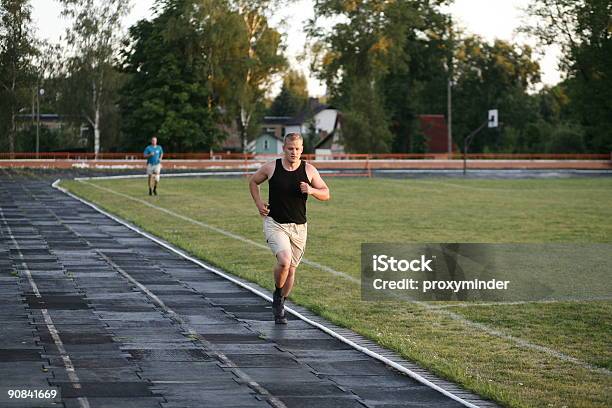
x: 78, y: 135
x: 318, y: 121
x: 434, y: 129
x: 266, y: 144
x: 51, y: 121
x: 436, y: 132
x: 278, y: 125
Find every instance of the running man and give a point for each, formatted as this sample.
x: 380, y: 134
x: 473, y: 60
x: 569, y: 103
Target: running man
x: 153, y: 153
x: 290, y: 181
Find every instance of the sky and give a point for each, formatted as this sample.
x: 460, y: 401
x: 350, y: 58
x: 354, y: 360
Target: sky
x: 490, y: 19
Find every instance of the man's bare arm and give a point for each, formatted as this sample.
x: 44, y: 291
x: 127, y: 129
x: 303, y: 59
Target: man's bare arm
x: 317, y: 188
x: 256, y: 179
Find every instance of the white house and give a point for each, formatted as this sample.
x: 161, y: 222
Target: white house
x: 323, y: 118
x: 266, y: 144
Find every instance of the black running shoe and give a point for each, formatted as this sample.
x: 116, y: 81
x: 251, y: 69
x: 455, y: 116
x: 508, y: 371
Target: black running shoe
x: 280, y: 320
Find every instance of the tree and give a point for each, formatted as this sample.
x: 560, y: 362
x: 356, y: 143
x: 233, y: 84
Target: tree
x: 582, y: 29
x: 169, y: 89
x: 16, y: 53
x: 365, y: 126
x: 261, y: 60
x: 94, y: 38
x: 492, y: 76
x: 293, y: 96
x: 355, y: 56
x: 418, y: 85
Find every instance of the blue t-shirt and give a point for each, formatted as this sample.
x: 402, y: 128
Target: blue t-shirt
x: 157, y: 152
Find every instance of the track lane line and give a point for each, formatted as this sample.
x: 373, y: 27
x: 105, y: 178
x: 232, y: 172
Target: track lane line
x: 68, y: 365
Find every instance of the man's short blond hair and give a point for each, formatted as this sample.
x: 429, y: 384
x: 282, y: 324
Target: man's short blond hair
x: 292, y: 136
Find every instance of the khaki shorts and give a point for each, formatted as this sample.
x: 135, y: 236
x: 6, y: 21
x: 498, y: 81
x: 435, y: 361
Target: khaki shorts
x: 153, y: 169
x: 286, y: 237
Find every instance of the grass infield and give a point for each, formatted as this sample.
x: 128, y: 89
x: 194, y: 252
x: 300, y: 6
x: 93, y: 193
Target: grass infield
x: 521, y: 355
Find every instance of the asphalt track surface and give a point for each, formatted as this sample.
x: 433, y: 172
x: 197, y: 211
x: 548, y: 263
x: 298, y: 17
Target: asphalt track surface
x: 110, y: 318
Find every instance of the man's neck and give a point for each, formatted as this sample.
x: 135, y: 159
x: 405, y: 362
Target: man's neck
x: 291, y: 166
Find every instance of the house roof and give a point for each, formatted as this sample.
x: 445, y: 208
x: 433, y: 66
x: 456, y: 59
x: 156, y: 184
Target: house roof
x: 276, y: 120
x: 313, y: 108
x: 43, y: 117
x: 312, y: 111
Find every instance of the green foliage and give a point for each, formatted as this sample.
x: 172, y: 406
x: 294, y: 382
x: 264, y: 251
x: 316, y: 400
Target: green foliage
x: 17, y: 49
x: 50, y: 139
x: 166, y: 93
x: 94, y: 37
x: 402, y: 54
x: 199, y: 63
x: 419, y: 84
x: 263, y: 57
x: 365, y: 124
x: 566, y: 139
x: 352, y: 58
x: 293, y: 96
x: 582, y: 28
x: 492, y: 76
x: 399, y: 56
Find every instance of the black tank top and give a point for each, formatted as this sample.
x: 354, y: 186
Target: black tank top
x: 287, y: 202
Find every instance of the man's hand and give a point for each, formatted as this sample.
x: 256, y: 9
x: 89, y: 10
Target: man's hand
x: 264, y: 208
x: 317, y: 187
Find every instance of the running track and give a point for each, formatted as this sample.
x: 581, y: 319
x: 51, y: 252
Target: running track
x: 109, y: 318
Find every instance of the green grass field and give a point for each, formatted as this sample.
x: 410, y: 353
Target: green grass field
x: 522, y: 355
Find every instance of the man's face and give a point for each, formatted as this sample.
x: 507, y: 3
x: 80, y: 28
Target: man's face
x: 293, y: 150
x: 154, y: 141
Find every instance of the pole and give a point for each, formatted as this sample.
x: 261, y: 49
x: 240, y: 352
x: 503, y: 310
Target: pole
x: 37, y: 120
x: 450, y: 118
x: 466, y: 143
x: 449, y: 94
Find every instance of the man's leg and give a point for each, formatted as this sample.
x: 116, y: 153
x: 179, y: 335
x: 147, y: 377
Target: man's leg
x: 298, y: 244
x: 151, y: 178
x: 155, y: 182
x: 281, y: 270
x: 289, y: 282
x: 281, y: 279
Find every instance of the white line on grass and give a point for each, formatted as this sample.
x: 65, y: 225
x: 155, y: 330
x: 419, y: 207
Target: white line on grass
x: 432, y: 308
x: 220, y: 231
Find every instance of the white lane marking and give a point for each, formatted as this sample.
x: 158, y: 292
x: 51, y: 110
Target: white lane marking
x: 210, y: 347
x: 432, y: 308
x: 518, y: 302
x: 200, y: 174
x: 131, y: 176
x: 72, y: 375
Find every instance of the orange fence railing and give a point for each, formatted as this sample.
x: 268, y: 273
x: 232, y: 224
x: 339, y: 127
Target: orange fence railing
x: 337, y: 156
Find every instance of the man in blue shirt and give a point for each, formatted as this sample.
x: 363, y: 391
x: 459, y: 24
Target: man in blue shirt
x: 153, y: 153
